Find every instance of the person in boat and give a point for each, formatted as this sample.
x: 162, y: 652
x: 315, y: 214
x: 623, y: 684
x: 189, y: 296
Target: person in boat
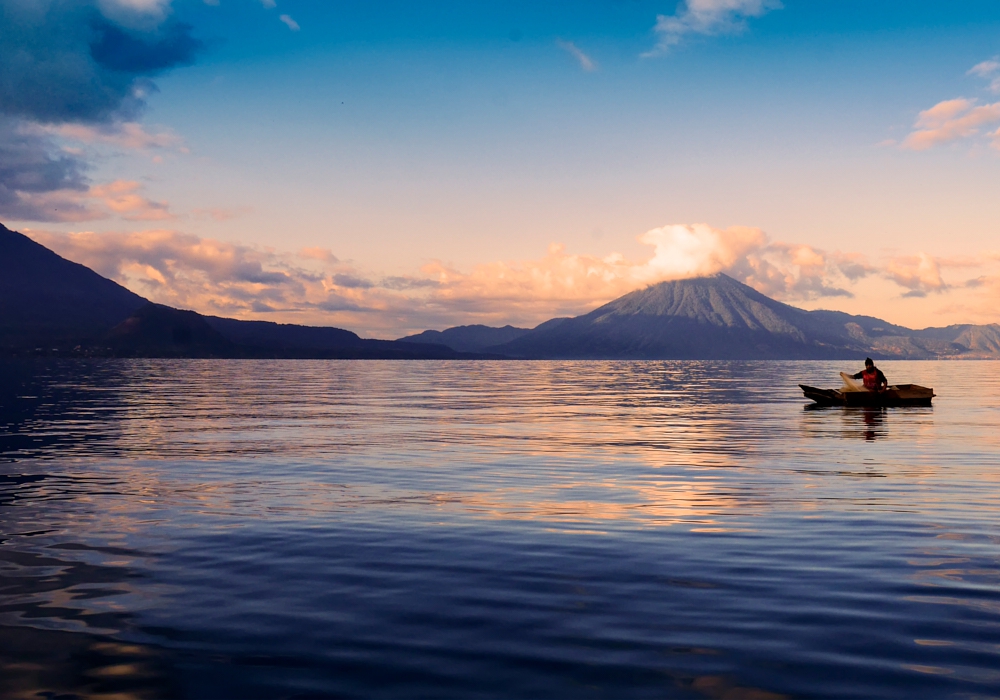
x: 873, y: 378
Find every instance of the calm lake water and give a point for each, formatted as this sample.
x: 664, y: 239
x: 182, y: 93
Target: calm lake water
x: 495, y: 529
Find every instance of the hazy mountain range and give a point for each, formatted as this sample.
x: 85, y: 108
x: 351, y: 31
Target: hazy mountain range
x: 49, y: 305
x: 717, y: 318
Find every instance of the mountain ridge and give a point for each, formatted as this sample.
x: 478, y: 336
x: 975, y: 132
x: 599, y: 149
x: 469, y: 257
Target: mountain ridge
x: 53, y: 306
x: 720, y: 318
x: 74, y: 303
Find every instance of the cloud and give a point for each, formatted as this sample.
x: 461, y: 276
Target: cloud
x: 122, y: 197
x: 988, y: 70
x: 135, y: 13
x: 707, y: 17
x: 352, y: 281
x: 32, y: 170
x: 320, y: 254
x: 78, y: 70
x: 919, y: 274
x: 292, y: 24
x: 130, y: 136
x: 122, y: 51
x: 269, y: 4
x: 573, y: 50
x: 37, y: 185
x: 66, y: 61
x: 950, y: 120
x: 181, y: 269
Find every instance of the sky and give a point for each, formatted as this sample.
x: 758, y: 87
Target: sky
x: 389, y: 167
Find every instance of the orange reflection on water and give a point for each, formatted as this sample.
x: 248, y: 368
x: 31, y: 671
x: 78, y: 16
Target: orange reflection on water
x: 662, y: 504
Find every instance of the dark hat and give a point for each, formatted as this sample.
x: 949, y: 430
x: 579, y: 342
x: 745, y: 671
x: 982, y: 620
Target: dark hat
x: 868, y: 361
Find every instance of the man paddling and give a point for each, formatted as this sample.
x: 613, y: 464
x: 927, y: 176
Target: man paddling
x: 872, y: 376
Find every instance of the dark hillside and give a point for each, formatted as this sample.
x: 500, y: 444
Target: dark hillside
x: 46, y: 299
x: 282, y: 336
x: 473, y: 338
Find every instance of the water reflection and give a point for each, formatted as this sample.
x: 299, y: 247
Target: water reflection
x: 48, y: 408
x: 866, y: 422
x: 41, y: 663
x: 873, y: 418
x: 232, y: 529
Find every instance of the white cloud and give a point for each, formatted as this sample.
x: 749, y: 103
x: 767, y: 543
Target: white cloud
x: 986, y: 68
x: 292, y: 24
x: 706, y: 17
x: 695, y: 250
x: 138, y: 14
x: 269, y: 4
x: 576, y: 52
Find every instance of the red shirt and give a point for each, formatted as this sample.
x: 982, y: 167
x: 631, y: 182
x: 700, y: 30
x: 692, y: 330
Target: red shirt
x: 873, y: 378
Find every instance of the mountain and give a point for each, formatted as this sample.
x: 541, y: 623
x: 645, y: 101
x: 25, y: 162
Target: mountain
x: 720, y: 318
x: 476, y: 338
x: 983, y: 340
x: 468, y: 338
x: 162, y: 331
x: 46, y: 300
x: 156, y: 330
x: 269, y: 339
x: 281, y: 336
x: 51, y: 305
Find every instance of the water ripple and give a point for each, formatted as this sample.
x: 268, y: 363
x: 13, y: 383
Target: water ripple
x: 190, y: 528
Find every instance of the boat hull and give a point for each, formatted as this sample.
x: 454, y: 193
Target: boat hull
x: 901, y: 395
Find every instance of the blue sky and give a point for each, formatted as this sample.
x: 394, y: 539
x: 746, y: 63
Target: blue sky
x: 439, y: 151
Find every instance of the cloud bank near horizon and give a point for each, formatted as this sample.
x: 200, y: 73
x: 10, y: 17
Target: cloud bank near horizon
x: 314, y: 286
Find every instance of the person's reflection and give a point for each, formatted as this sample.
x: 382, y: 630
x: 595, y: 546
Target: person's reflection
x: 872, y: 416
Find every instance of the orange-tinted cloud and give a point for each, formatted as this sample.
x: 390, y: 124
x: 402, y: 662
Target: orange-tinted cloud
x: 919, y: 274
x: 120, y: 198
x: 949, y: 121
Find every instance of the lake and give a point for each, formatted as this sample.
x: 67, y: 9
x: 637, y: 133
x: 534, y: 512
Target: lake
x: 309, y: 529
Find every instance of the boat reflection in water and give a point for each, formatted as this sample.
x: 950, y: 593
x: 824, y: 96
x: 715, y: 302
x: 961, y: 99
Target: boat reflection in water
x: 868, y: 422
x: 874, y: 417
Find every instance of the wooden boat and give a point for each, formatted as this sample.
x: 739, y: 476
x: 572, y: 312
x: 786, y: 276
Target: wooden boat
x: 854, y: 394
